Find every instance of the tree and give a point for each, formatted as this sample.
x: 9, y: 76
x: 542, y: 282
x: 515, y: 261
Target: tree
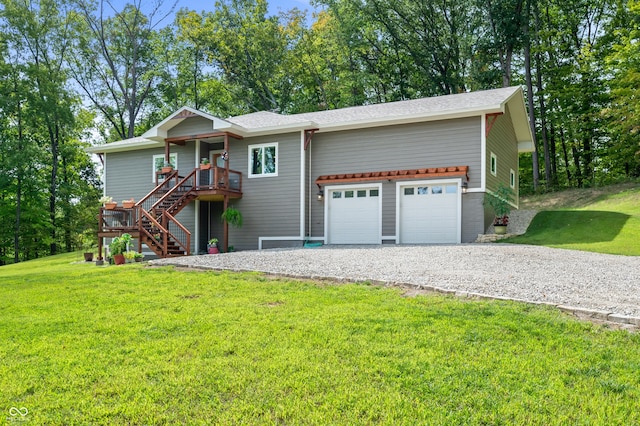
x: 114, y: 61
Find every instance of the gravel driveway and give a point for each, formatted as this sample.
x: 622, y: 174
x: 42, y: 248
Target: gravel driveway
x: 539, y: 274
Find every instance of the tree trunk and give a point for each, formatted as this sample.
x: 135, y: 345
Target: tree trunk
x: 532, y: 119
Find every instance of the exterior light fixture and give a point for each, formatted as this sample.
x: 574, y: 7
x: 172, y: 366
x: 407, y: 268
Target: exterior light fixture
x: 320, y: 193
x: 465, y: 185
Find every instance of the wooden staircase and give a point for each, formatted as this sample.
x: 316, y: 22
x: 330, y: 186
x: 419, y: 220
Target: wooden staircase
x: 158, y: 227
x: 152, y: 220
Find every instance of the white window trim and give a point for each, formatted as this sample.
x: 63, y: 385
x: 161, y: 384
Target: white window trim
x: 250, y: 159
x: 173, y: 155
x: 512, y: 179
x: 492, y: 161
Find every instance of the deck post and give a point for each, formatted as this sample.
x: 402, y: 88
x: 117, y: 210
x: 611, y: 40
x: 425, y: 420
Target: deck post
x: 226, y: 225
x: 99, y: 237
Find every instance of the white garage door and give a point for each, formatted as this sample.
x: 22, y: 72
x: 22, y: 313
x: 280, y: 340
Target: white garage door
x: 429, y: 213
x: 353, y: 215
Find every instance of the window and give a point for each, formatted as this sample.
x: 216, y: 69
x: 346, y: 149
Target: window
x: 408, y: 191
x: 158, y: 163
x: 436, y: 190
x: 494, y: 164
x: 348, y: 194
x: 373, y: 193
x: 451, y: 189
x: 336, y: 194
x: 512, y: 179
x: 423, y: 190
x: 263, y: 160
x: 362, y: 193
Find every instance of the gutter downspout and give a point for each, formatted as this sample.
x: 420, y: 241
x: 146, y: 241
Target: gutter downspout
x: 303, y: 164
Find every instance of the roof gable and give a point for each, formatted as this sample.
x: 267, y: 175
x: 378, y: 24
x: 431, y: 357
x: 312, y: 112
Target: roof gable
x: 159, y: 131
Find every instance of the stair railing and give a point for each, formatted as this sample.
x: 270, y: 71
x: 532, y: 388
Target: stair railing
x: 154, y: 224
x: 174, y: 227
x: 158, y: 192
x: 187, y: 183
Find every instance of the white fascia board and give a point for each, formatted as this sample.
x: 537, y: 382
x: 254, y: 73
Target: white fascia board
x: 125, y: 145
x: 160, y: 131
x: 406, y: 119
x: 525, y: 146
x: 277, y: 130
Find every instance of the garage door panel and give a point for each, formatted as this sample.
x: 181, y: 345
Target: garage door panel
x: 429, y: 214
x: 354, y: 216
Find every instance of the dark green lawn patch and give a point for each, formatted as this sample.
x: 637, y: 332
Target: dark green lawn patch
x: 607, y: 220
x: 573, y: 226
x: 131, y: 345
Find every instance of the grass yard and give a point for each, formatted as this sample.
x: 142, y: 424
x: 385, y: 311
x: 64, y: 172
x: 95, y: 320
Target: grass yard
x: 131, y: 345
x: 604, y: 220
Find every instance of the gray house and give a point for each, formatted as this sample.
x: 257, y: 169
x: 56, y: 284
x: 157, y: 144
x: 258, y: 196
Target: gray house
x: 408, y: 172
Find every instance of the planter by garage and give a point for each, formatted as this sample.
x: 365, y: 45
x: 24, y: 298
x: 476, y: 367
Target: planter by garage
x: 88, y: 257
x: 500, y: 229
x: 119, y: 259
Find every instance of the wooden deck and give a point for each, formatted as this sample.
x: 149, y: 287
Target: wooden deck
x: 152, y: 219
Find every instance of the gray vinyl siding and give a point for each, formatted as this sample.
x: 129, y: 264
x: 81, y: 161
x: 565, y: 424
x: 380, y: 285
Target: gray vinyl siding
x: 129, y: 175
x: 411, y: 146
x: 473, y: 216
x: 270, y: 205
x: 502, y: 142
x: 191, y: 126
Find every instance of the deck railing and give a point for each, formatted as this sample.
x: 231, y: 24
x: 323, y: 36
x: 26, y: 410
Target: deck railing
x: 217, y: 178
x: 119, y: 219
x: 158, y: 217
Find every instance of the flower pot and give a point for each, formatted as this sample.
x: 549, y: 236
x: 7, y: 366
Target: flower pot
x: 500, y: 229
x: 205, y: 166
x: 110, y: 206
x: 213, y: 250
x: 128, y: 204
x: 100, y: 262
x: 167, y: 169
x: 119, y: 259
x: 88, y: 257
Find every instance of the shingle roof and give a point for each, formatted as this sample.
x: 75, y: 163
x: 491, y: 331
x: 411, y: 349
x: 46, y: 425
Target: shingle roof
x: 262, y: 119
x: 438, y: 105
x: 425, y: 106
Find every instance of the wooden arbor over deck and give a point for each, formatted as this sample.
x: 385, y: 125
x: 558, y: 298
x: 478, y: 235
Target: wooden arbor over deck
x: 152, y: 219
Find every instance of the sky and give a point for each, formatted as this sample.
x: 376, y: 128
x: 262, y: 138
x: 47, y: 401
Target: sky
x: 275, y: 6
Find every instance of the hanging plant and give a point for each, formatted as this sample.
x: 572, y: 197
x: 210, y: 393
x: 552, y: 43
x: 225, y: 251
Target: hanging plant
x: 232, y: 216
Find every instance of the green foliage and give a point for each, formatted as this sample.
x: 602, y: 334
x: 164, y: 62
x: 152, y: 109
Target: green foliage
x: 119, y: 245
x: 171, y: 343
x: 500, y: 200
x: 232, y: 216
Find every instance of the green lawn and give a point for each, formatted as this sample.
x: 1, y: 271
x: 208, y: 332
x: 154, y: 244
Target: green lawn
x: 131, y: 345
x: 604, y: 223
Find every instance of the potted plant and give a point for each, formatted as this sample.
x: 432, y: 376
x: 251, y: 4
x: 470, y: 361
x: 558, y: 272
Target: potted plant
x: 212, y: 246
x: 86, y: 240
x: 129, y: 256
x: 167, y: 168
x: 128, y: 204
x: 138, y: 257
x: 500, y: 201
x: 232, y: 216
x: 118, y: 247
x: 108, y: 202
x: 205, y: 164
